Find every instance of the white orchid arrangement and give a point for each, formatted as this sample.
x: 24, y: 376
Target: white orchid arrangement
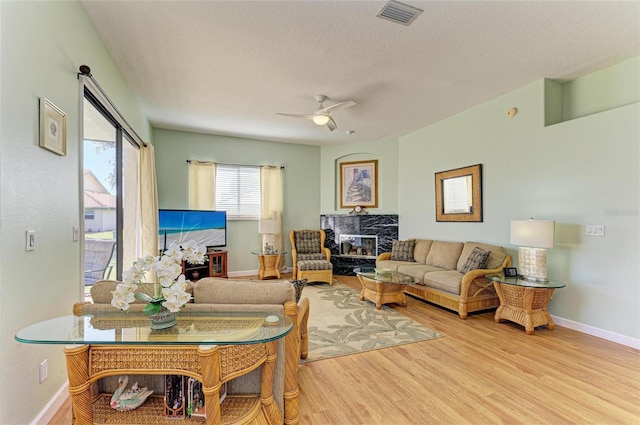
x: 170, y: 290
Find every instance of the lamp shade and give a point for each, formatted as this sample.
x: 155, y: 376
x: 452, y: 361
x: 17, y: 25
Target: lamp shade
x: 269, y: 226
x: 533, y: 233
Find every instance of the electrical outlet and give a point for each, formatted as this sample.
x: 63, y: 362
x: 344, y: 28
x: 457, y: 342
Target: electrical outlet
x: 44, y: 371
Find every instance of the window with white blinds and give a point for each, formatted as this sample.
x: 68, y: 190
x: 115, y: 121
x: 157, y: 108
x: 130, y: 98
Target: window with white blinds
x: 238, y: 191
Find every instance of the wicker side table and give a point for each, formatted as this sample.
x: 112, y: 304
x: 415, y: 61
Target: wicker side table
x: 524, y: 302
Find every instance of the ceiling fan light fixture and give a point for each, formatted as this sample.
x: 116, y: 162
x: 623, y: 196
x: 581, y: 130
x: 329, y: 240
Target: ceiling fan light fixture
x: 321, y: 119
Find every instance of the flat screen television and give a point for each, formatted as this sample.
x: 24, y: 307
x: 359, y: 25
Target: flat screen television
x: 208, y: 228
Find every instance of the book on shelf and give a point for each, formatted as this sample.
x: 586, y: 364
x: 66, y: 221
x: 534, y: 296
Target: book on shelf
x: 174, y: 396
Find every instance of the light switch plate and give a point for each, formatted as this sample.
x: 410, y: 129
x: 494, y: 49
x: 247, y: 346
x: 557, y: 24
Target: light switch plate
x: 594, y: 229
x: 31, y: 240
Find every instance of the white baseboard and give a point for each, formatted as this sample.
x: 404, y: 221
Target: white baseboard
x: 597, y: 332
x: 52, y: 407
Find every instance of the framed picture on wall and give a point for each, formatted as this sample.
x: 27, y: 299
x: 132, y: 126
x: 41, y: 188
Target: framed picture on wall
x: 53, y: 127
x: 359, y: 184
x: 459, y: 194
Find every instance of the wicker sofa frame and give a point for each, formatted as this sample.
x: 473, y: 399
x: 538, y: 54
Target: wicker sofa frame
x: 477, y: 292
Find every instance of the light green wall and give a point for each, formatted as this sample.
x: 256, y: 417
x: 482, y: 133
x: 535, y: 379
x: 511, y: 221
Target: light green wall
x: 43, y: 44
x: 578, y: 172
x: 301, y: 182
x: 385, y: 151
x: 600, y: 91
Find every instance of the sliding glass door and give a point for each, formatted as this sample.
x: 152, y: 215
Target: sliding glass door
x: 111, y: 163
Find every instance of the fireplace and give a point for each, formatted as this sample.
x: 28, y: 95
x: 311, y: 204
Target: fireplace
x: 356, y: 240
x: 365, y: 246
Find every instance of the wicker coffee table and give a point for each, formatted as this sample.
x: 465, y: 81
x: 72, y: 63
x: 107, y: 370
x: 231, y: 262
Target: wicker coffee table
x: 383, y: 288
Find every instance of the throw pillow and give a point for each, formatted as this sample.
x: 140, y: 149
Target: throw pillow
x: 299, y: 286
x: 403, y: 250
x: 478, y: 259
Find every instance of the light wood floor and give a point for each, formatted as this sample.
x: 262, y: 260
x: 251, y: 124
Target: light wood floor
x: 481, y: 372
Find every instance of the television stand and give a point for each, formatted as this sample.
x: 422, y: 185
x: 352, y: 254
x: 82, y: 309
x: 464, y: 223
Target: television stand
x: 215, y: 266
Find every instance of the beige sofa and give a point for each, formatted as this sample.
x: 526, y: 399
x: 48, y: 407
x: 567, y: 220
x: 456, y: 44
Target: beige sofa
x: 437, y: 265
x: 224, y: 295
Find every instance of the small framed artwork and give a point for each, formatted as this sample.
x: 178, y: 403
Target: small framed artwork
x: 359, y: 184
x: 53, y: 127
x: 510, y: 272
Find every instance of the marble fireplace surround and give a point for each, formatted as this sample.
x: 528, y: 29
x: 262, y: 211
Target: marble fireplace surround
x: 384, y: 226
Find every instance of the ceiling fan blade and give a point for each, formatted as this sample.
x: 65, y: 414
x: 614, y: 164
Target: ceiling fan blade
x: 331, y: 124
x: 307, y: 117
x: 337, y: 107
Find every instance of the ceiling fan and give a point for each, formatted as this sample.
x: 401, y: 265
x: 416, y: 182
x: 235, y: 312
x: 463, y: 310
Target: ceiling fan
x: 322, y: 116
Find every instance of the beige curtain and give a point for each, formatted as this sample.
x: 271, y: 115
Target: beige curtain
x: 202, y: 185
x: 271, y: 200
x: 148, y: 200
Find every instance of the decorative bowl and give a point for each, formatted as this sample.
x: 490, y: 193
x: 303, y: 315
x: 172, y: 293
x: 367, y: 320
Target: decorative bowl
x: 382, y: 270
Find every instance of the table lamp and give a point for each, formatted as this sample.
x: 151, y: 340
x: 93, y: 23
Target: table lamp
x: 269, y: 229
x: 533, y: 237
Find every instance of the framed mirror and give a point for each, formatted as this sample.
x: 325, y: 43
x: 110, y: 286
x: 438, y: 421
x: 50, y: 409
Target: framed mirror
x: 459, y: 194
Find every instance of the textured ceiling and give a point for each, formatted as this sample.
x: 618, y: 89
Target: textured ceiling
x: 226, y: 67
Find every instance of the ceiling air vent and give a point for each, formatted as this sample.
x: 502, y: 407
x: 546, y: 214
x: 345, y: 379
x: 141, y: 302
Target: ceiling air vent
x: 399, y: 13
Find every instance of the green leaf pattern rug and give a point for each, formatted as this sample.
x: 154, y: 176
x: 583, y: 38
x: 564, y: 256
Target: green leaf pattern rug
x: 340, y: 324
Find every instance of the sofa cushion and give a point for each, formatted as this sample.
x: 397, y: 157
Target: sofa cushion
x: 421, y: 250
x: 223, y: 291
x: 444, y: 254
x: 101, y: 291
x: 298, y: 285
x: 496, y: 258
x: 307, y: 241
x: 446, y: 280
x: 417, y: 270
x: 403, y: 250
x: 476, y: 260
x: 392, y: 264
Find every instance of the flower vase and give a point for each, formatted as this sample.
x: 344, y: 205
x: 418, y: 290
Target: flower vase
x: 163, y: 319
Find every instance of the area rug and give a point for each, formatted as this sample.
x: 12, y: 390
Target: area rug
x: 340, y: 324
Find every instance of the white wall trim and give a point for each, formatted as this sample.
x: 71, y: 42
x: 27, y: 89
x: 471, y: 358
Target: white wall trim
x: 52, y: 407
x: 597, y: 332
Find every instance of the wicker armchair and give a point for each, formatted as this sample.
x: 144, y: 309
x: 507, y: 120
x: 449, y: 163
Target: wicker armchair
x: 311, y: 260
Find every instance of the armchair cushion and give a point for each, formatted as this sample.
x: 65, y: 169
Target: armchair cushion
x: 307, y: 241
x: 315, y: 265
x: 316, y: 256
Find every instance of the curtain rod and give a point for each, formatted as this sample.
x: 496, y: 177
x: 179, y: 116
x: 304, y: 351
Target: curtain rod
x: 85, y: 71
x: 195, y: 161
